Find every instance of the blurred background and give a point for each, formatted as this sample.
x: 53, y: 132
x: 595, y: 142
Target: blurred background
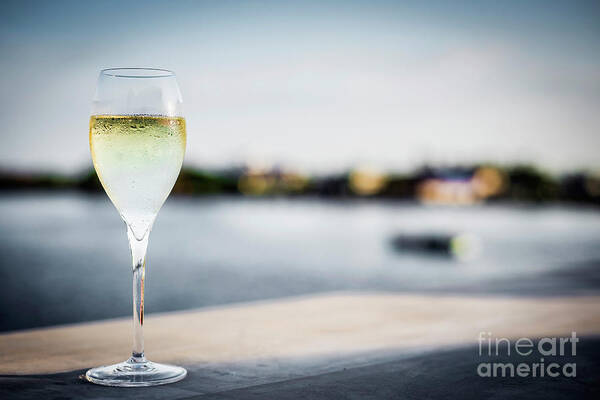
x: 439, y: 147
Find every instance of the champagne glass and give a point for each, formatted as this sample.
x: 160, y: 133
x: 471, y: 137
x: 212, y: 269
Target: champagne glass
x: 137, y: 140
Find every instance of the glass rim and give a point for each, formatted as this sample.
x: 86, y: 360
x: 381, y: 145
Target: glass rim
x: 135, y: 72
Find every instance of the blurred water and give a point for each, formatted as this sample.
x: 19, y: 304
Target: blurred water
x: 64, y: 257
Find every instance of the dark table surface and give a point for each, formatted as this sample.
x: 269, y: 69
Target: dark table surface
x: 449, y: 374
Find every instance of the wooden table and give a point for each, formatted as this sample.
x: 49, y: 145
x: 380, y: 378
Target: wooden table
x: 244, y: 345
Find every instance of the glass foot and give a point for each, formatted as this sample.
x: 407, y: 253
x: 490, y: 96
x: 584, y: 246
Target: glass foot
x: 135, y: 373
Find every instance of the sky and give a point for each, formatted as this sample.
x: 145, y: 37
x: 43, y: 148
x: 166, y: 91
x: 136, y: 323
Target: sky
x: 318, y: 86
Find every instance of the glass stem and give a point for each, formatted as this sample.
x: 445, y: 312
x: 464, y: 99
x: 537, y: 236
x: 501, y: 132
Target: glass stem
x: 138, y: 254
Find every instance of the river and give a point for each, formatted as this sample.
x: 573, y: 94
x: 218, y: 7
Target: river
x: 64, y: 256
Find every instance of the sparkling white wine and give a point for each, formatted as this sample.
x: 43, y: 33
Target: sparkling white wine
x: 137, y: 158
